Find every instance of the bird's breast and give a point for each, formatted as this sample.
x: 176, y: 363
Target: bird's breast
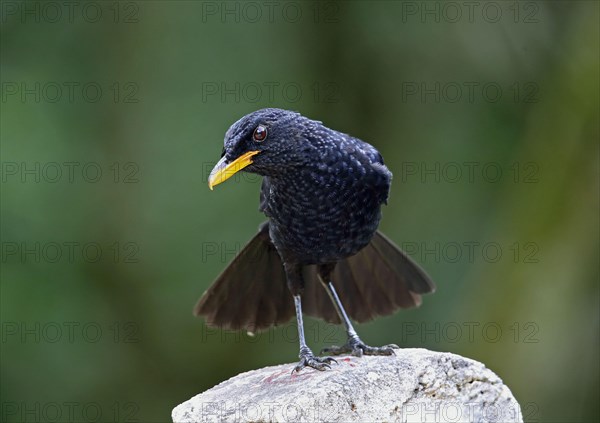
x: 321, y: 215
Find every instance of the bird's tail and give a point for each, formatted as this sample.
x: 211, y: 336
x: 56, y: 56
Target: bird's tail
x: 252, y: 292
x: 377, y: 281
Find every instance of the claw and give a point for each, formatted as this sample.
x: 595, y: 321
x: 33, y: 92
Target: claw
x: 317, y: 363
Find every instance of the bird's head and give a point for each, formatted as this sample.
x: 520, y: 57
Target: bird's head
x: 266, y: 142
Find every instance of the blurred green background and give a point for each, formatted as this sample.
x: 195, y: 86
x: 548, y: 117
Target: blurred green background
x: 486, y: 114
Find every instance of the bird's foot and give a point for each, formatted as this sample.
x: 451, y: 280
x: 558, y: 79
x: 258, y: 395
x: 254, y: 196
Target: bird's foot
x: 358, y: 348
x: 308, y: 359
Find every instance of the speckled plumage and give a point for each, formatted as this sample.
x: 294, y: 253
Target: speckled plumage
x: 322, y: 192
x: 324, y: 205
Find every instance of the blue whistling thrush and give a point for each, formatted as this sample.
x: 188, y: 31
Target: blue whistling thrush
x: 322, y: 192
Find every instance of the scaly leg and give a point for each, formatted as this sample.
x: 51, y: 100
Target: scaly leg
x: 307, y: 358
x: 354, y: 345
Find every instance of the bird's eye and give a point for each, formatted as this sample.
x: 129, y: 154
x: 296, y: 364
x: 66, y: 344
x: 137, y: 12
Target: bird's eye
x: 260, y: 133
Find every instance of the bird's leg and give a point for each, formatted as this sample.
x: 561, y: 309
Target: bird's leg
x: 354, y: 345
x: 295, y: 283
x: 307, y: 358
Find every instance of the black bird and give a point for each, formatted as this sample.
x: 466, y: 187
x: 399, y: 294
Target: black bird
x: 322, y: 192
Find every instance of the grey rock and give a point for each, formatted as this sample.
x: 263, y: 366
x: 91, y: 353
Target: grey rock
x: 415, y: 385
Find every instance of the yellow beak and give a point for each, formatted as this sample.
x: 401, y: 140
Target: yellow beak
x: 223, y: 170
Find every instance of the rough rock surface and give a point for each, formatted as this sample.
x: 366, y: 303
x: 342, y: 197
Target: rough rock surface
x: 416, y: 385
